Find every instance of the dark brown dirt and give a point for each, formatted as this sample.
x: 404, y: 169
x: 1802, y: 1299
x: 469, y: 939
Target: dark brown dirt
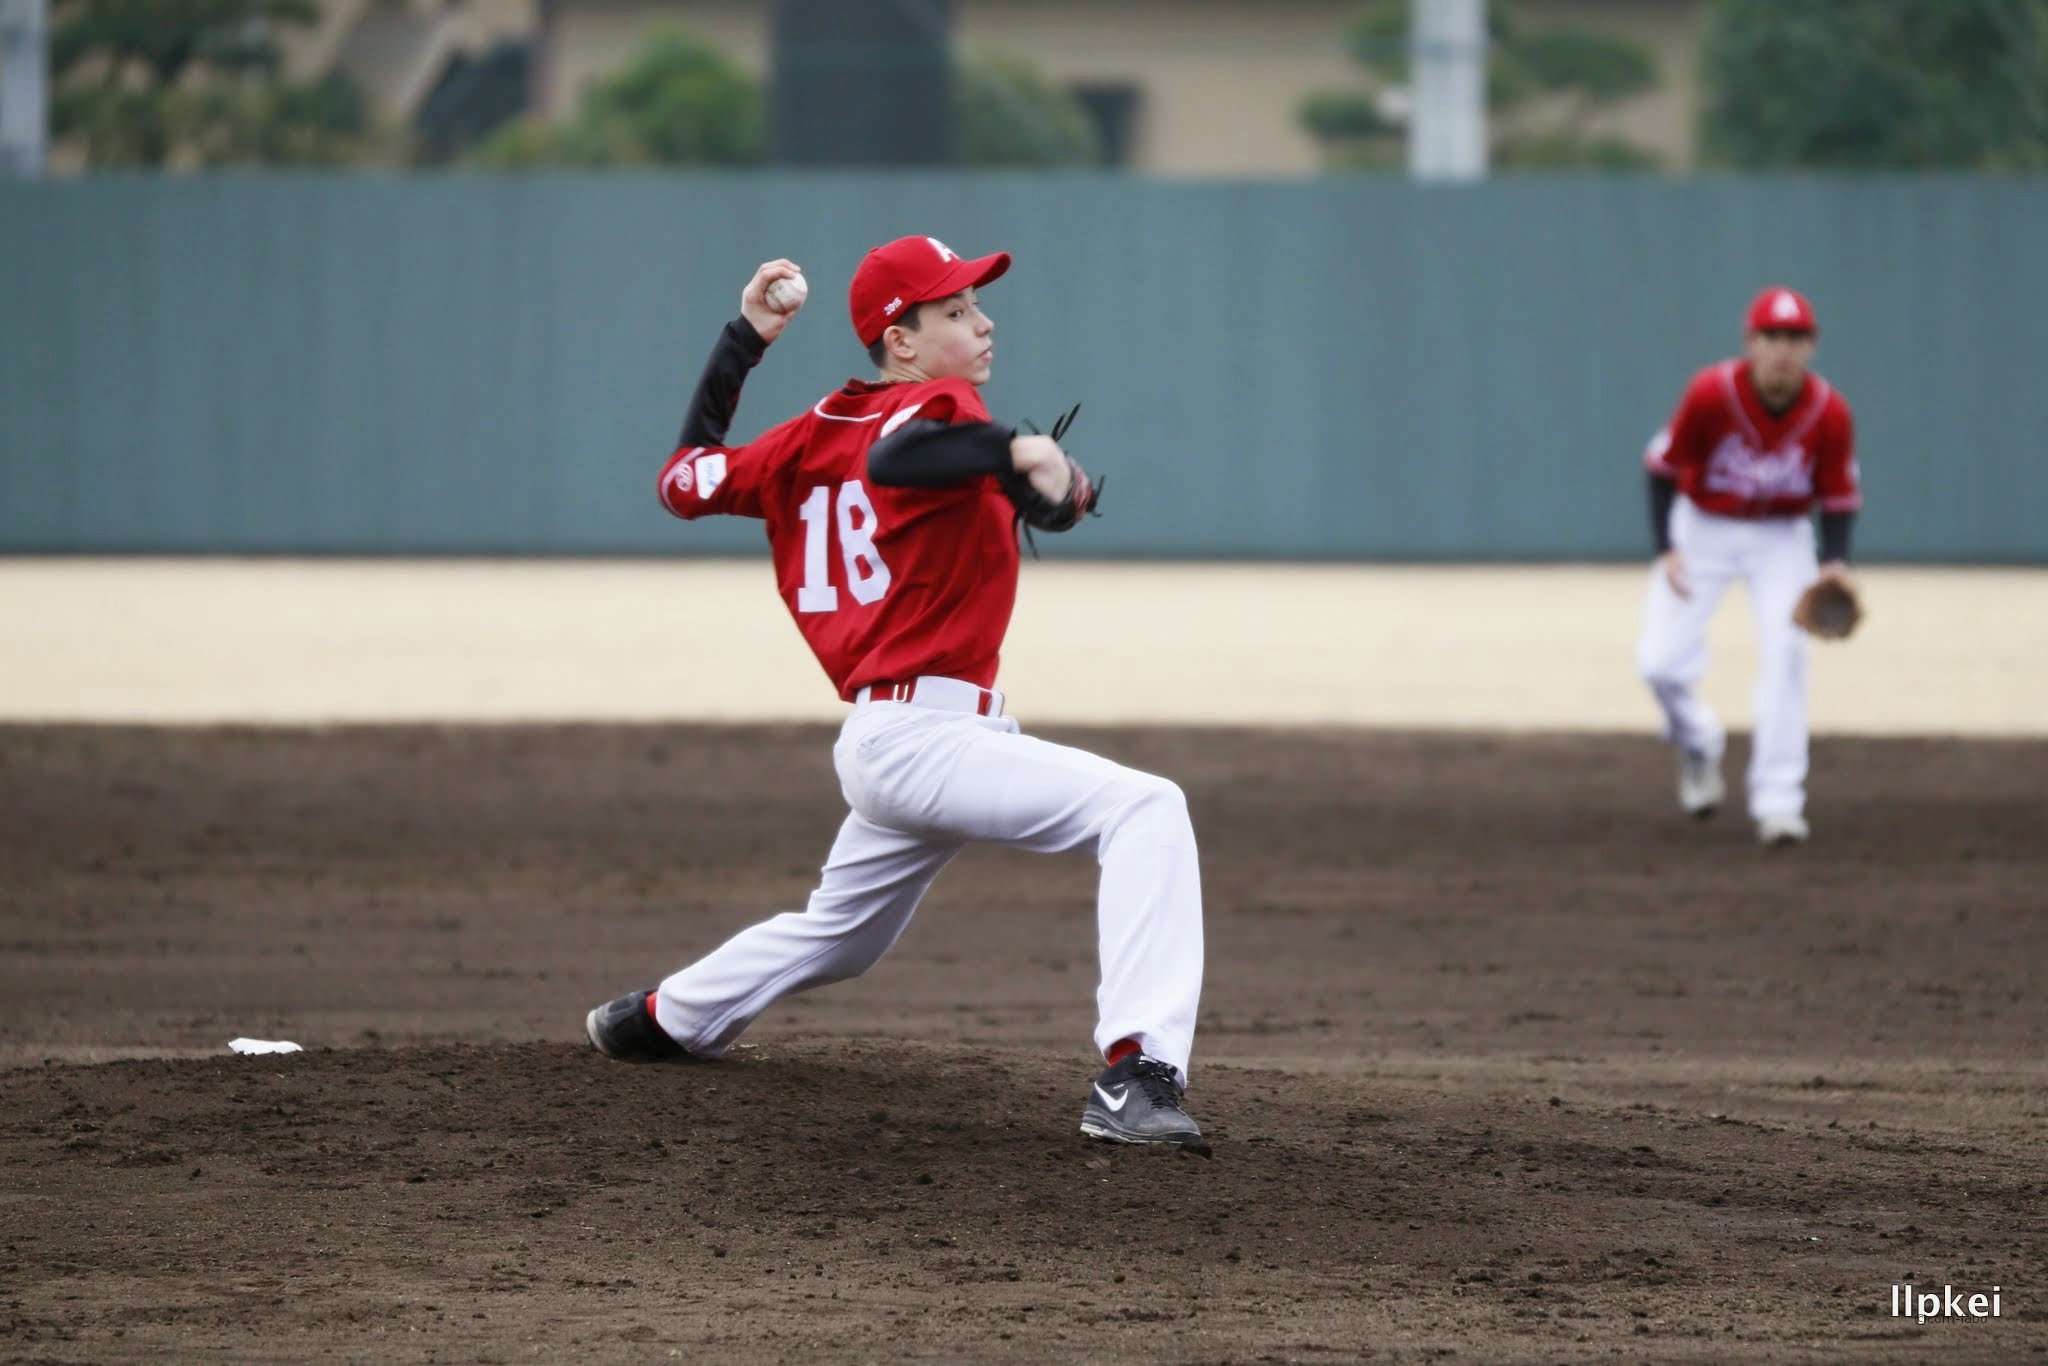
x: 1501, y: 1058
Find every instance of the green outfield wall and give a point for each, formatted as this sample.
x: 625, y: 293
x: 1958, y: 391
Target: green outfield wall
x: 470, y: 364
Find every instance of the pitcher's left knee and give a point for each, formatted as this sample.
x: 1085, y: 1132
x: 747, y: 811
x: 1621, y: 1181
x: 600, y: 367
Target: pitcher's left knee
x: 1156, y: 806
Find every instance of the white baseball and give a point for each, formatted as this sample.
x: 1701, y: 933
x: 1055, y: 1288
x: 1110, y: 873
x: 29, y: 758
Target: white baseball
x: 788, y: 294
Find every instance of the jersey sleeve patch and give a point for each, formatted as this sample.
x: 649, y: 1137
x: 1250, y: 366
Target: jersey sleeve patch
x: 678, y: 479
x: 1659, y: 447
x: 710, y: 473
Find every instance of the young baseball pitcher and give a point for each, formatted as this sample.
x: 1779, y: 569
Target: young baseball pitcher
x: 890, y: 507
x: 1756, y: 444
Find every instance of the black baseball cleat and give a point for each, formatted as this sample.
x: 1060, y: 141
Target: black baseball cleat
x: 1137, y: 1100
x: 624, y: 1029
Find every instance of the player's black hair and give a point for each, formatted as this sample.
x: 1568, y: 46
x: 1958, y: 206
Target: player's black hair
x: 878, y: 353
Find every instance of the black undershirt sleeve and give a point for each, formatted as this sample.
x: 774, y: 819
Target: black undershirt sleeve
x: 1663, y: 493
x: 926, y: 453
x: 709, y: 417
x: 1835, y: 528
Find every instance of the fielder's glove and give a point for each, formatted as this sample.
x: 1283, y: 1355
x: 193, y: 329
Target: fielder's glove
x: 1829, y: 609
x: 1035, y: 510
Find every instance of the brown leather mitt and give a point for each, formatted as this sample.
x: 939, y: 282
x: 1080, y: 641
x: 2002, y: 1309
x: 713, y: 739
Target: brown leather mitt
x: 1829, y: 610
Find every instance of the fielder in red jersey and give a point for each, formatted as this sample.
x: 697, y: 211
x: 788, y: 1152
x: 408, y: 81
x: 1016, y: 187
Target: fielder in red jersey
x: 1732, y: 454
x: 1756, y: 445
x: 895, y: 552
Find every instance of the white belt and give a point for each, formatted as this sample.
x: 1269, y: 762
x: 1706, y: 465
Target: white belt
x: 934, y: 690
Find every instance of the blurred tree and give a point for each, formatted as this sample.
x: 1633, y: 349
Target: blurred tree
x: 156, y: 82
x: 1007, y: 113
x: 680, y: 101
x: 1877, y: 84
x: 1554, y: 79
x: 677, y: 101
x: 1353, y: 129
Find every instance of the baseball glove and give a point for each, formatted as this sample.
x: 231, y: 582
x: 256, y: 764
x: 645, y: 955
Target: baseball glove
x: 1035, y: 510
x: 1828, y: 609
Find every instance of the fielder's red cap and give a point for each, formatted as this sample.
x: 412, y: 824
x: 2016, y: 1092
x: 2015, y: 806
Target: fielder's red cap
x: 909, y: 271
x: 1778, y: 309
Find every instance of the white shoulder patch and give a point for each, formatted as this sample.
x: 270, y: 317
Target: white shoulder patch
x: 898, y: 420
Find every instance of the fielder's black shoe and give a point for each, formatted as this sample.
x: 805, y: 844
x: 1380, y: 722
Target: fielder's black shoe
x: 1137, y: 1100
x: 624, y: 1029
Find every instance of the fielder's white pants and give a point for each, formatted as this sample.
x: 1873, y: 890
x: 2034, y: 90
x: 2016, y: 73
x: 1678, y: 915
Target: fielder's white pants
x: 1774, y: 557
x: 922, y: 783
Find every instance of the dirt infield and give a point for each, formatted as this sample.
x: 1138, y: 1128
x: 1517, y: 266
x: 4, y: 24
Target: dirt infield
x: 1502, y: 1059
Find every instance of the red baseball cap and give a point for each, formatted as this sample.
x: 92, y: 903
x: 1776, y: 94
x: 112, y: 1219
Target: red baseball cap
x: 909, y: 271
x: 1778, y: 309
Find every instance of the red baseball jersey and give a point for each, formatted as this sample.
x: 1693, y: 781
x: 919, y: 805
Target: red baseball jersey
x: 885, y: 583
x: 1735, y: 458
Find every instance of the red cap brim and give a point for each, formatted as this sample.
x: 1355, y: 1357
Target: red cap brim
x: 966, y: 275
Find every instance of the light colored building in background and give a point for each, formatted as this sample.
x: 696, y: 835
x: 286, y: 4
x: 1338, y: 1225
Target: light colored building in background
x: 398, y: 50
x: 1196, y: 87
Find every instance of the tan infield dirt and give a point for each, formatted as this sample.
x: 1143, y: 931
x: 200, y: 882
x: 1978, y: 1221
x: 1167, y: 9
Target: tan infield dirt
x: 1944, y: 651
x: 1503, y: 1060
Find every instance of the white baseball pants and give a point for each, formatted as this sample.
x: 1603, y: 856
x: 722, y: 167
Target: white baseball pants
x: 1774, y: 557
x: 923, y: 780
